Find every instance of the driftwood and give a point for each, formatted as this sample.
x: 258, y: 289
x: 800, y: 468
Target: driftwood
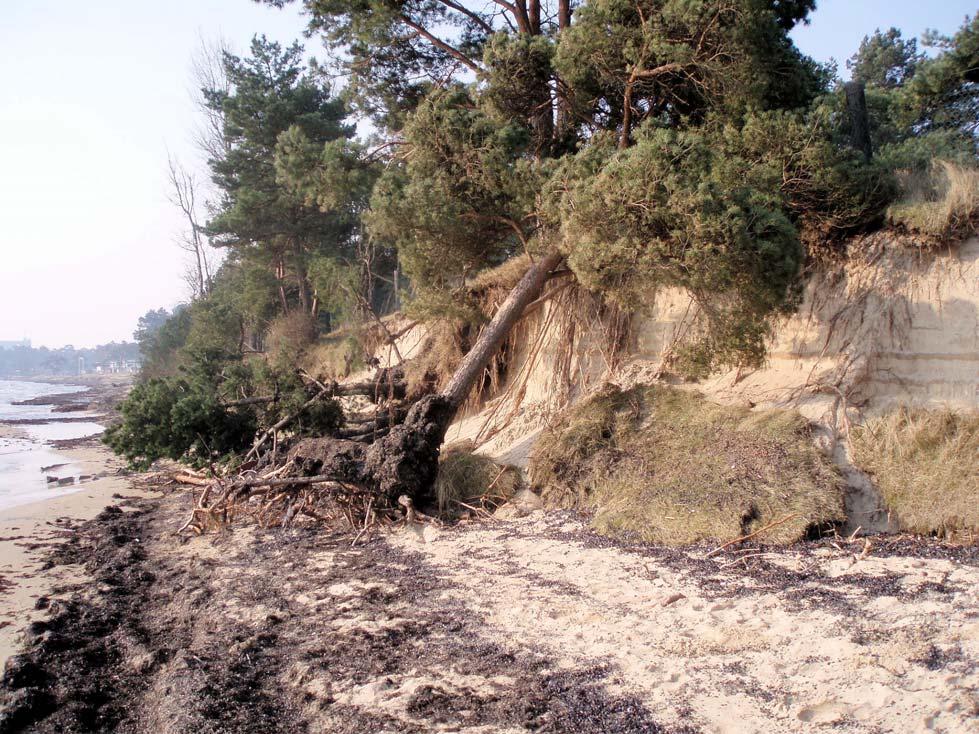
x: 386, y: 384
x: 755, y: 534
x: 364, y: 481
x: 183, y: 477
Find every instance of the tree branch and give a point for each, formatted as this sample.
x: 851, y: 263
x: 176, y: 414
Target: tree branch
x: 469, y: 14
x: 439, y: 43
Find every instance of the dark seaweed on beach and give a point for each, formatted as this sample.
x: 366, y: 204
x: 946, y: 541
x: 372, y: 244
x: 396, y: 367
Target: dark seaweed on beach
x: 150, y: 644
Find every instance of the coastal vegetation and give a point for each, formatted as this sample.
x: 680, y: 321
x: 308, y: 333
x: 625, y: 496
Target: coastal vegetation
x: 628, y: 146
x: 667, y: 466
x: 926, y: 464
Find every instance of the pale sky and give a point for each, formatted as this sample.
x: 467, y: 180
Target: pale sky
x: 93, y: 94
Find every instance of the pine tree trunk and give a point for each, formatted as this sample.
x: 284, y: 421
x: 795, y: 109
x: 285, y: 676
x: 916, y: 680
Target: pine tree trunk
x: 856, y: 102
x: 490, y: 340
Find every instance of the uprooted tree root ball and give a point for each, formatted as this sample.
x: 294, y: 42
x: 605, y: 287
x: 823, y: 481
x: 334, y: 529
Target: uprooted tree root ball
x: 398, y: 466
x: 668, y: 466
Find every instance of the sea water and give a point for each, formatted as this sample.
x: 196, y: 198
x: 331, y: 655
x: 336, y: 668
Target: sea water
x: 24, y: 448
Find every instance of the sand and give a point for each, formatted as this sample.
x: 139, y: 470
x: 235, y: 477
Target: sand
x: 531, y: 623
x: 27, y: 532
x: 782, y: 640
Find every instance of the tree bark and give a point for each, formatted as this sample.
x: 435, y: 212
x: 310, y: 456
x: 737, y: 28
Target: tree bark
x: 856, y: 103
x: 492, y: 337
x: 563, y: 14
x: 534, y: 16
x: 626, y: 115
x: 302, y: 278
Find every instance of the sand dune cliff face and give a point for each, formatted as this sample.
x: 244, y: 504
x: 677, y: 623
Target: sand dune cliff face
x: 895, y: 324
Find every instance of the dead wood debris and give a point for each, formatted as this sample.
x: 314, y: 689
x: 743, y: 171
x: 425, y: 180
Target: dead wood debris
x: 378, y: 463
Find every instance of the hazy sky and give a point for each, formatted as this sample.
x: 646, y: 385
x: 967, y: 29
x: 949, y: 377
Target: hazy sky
x: 93, y: 94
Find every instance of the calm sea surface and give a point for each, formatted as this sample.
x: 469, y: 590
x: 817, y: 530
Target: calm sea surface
x: 26, y: 458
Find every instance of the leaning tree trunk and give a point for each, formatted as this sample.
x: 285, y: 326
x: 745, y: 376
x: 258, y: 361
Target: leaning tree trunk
x: 405, y: 461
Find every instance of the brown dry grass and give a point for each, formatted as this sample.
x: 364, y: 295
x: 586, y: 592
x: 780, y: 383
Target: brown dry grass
x: 449, y: 339
x: 290, y: 335
x: 436, y: 362
x: 335, y: 356
x: 465, y: 477
x: 926, y: 465
x: 942, y: 202
x: 343, y: 352
x: 671, y: 467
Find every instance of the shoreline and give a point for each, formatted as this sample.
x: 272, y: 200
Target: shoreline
x: 72, y: 420
x: 29, y: 531
x: 29, y: 528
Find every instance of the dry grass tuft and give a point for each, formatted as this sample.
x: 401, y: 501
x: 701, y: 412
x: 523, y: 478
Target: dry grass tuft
x: 942, y: 202
x: 445, y: 346
x: 290, y: 335
x: 926, y: 465
x: 340, y: 353
x: 504, y: 276
x: 671, y: 467
x: 465, y: 477
x: 450, y: 337
x: 335, y: 356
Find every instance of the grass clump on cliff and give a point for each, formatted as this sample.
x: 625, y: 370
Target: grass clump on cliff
x: 668, y: 466
x: 466, y: 477
x: 926, y: 465
x: 335, y: 356
x: 942, y: 201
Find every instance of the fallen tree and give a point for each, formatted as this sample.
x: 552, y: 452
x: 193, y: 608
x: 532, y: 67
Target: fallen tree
x: 368, y: 479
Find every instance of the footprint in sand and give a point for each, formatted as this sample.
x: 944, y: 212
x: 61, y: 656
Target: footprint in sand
x: 827, y: 712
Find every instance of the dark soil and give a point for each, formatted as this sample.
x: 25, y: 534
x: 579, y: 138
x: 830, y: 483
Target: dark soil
x: 248, y: 637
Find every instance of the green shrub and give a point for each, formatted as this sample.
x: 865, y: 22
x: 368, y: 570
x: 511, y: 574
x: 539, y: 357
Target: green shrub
x: 174, y: 419
x: 193, y: 417
x: 656, y: 215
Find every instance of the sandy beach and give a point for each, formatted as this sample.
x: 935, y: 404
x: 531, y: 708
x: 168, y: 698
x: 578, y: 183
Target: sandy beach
x: 53, y: 428
x: 524, y: 621
x: 27, y: 533
x: 531, y: 623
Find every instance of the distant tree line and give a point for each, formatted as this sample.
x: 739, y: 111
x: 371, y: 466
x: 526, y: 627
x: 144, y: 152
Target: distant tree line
x: 25, y: 361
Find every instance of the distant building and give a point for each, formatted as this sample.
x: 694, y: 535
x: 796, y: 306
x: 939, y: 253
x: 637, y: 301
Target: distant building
x: 118, y: 367
x: 25, y: 343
